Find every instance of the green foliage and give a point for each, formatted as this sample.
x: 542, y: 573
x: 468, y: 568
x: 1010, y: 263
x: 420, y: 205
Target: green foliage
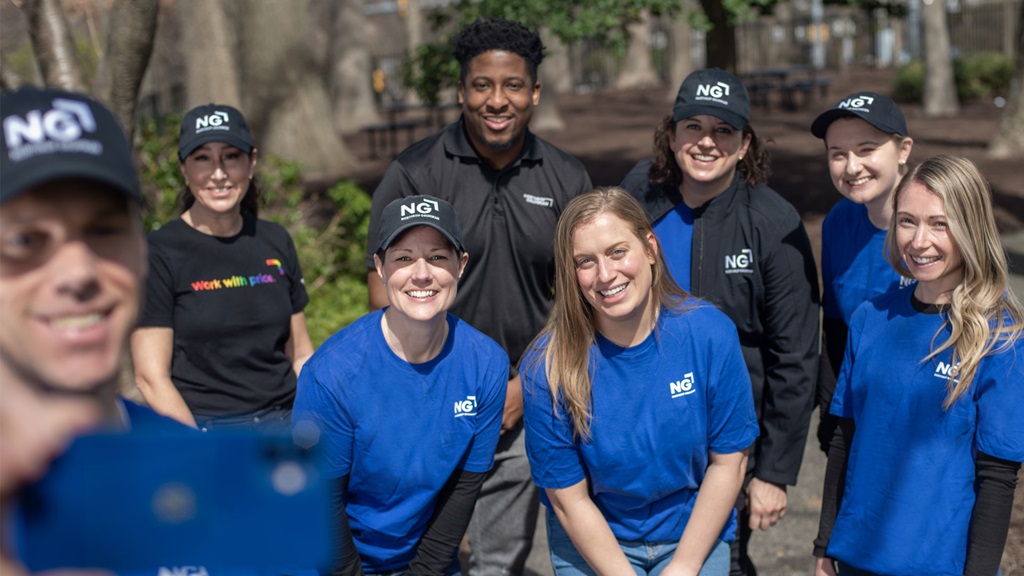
x: 981, y: 76
x: 332, y: 255
x: 429, y: 70
x: 908, y: 83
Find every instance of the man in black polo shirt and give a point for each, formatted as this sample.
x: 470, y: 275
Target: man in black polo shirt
x: 508, y: 187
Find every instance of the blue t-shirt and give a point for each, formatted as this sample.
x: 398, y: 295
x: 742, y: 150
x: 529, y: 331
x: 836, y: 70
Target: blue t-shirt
x: 909, y: 490
x: 675, y: 232
x: 400, y: 430
x: 853, y: 264
x: 657, y: 409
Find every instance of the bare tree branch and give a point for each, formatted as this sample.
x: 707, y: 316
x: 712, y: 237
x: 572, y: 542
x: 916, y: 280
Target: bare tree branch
x: 130, y: 36
x: 54, y: 48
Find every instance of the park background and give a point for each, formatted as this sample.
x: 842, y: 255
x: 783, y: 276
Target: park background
x: 333, y: 89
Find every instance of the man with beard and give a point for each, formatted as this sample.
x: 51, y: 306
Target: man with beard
x: 508, y: 188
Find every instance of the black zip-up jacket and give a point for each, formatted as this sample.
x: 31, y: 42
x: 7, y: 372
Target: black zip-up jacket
x: 752, y: 258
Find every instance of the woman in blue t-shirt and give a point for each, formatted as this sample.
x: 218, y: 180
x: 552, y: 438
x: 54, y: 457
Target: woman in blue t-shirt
x: 867, y: 146
x: 407, y: 403
x: 638, y: 409
x: 930, y: 435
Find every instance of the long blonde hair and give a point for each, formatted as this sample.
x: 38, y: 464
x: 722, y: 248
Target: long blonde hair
x: 984, y: 316
x: 571, y: 328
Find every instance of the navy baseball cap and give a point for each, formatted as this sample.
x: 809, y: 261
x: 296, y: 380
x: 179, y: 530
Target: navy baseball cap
x: 405, y: 213
x: 55, y: 134
x: 714, y: 92
x: 214, y: 123
x: 876, y: 109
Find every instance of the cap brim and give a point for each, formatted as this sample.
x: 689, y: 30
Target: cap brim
x: 214, y: 136
x: 728, y: 116
x: 820, y: 125
x: 85, y: 168
x: 384, y: 244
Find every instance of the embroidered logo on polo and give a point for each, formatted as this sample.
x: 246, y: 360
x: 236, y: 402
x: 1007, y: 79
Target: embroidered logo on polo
x: 62, y: 128
x: 239, y: 280
x: 947, y: 372
x: 741, y: 263
x: 682, y: 387
x: 465, y: 407
x: 539, y: 200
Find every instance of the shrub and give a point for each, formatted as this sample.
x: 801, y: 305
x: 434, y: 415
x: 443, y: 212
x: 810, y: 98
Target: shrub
x: 984, y: 75
x: 331, y: 255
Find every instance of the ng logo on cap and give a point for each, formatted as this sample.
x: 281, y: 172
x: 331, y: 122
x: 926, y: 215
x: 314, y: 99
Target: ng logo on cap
x: 717, y: 90
x: 212, y: 121
x: 55, y: 130
x: 422, y: 207
x: 861, y: 102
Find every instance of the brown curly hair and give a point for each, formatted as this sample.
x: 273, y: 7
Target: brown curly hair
x: 755, y: 165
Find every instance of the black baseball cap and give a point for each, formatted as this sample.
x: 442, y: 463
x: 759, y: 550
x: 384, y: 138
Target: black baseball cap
x: 405, y: 213
x: 214, y: 123
x: 55, y: 134
x: 876, y: 109
x: 714, y: 92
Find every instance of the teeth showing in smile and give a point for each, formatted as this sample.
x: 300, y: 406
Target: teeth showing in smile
x: 613, y: 291
x: 702, y: 158
x: 860, y: 181
x: 923, y: 261
x: 75, y: 322
x: 422, y: 293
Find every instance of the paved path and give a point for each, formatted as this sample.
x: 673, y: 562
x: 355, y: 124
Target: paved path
x: 785, y: 550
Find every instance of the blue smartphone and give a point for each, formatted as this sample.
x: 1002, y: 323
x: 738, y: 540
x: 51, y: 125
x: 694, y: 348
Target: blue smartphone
x: 156, y: 502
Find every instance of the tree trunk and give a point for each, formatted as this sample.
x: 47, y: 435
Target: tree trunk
x: 681, y: 56
x: 210, y: 46
x: 351, y: 82
x: 547, y: 116
x: 558, y: 76
x: 1009, y: 138
x: 939, y: 85
x: 9, y: 80
x: 720, y: 42
x: 131, y: 30
x: 414, y: 39
x: 286, y: 98
x: 54, y: 47
x: 638, y: 71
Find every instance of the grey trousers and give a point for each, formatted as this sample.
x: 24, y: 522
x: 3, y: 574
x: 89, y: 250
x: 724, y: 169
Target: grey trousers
x: 501, y: 531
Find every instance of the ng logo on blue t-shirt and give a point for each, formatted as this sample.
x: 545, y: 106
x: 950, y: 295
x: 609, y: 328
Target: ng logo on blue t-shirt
x: 682, y: 387
x: 466, y: 407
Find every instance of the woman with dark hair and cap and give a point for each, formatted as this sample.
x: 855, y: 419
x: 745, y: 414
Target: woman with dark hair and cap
x: 867, y: 147
x: 223, y: 333
x: 730, y: 239
x: 407, y: 403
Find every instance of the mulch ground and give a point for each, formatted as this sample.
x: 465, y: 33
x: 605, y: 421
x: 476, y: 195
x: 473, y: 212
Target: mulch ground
x: 612, y: 130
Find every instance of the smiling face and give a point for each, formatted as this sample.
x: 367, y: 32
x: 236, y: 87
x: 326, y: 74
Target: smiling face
x: 864, y: 162
x: 421, y: 270
x: 613, y: 271
x: 72, y: 259
x: 926, y: 244
x: 497, y: 97
x: 707, y: 150
x: 218, y: 176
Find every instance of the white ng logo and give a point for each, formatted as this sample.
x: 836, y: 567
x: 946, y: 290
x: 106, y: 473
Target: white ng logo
x: 716, y: 90
x: 947, y: 371
x: 182, y: 571
x: 212, y: 120
x: 423, y: 207
x: 466, y: 407
x: 741, y: 262
x: 856, y: 102
x: 65, y: 122
x: 682, y: 387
